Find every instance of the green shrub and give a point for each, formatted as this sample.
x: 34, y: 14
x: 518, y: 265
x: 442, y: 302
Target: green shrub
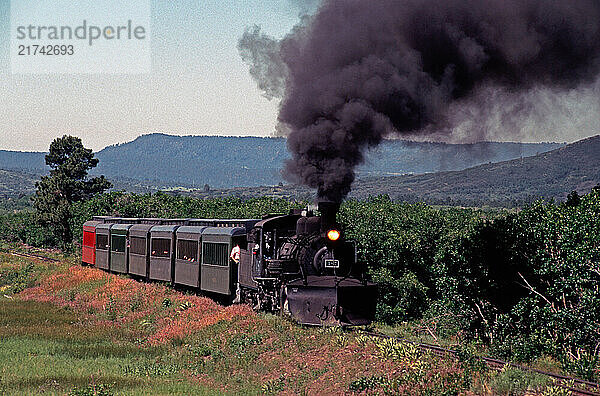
x: 22, y: 227
x: 15, y: 280
x: 446, y: 318
x: 152, y: 369
x: 401, y: 298
x: 512, y: 381
x: 586, y: 364
x: 369, y: 383
x: 93, y: 390
x: 274, y: 386
x: 239, y: 343
x: 390, y: 348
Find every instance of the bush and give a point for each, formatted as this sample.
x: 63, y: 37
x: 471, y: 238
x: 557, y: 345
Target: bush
x: 369, y: 383
x: 22, y: 227
x: 400, y: 244
x: 558, y: 314
x: 512, y: 381
x: 400, y: 298
x: 446, y: 319
x: 93, y: 390
x: 15, y: 280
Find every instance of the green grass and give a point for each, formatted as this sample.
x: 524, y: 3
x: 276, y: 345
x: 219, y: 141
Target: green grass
x: 46, y: 350
x: 512, y: 381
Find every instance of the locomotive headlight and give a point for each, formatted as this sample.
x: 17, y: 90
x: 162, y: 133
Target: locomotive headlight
x: 333, y: 235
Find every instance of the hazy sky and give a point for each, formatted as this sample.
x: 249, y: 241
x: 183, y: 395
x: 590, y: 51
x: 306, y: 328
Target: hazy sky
x: 198, y: 84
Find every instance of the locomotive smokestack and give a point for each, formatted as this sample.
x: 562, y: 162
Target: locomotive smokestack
x: 328, y: 211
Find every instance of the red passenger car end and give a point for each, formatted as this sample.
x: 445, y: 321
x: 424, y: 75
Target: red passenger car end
x: 88, y: 250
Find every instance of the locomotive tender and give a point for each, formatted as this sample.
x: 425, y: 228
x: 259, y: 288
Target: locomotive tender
x: 296, y: 264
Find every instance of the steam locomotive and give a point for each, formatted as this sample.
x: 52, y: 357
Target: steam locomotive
x: 297, y: 264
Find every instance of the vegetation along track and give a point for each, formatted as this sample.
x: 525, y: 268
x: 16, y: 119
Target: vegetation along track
x: 574, y: 385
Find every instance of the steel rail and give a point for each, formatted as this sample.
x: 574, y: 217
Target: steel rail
x: 587, y: 388
x: 31, y: 255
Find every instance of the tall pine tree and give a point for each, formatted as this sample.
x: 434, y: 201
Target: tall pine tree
x: 69, y: 164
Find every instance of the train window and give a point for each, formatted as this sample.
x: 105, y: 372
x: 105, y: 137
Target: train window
x: 102, y: 242
x: 117, y: 243
x: 88, y: 238
x: 138, y: 245
x: 161, y: 247
x: 187, y: 250
x: 241, y: 241
x: 215, y: 253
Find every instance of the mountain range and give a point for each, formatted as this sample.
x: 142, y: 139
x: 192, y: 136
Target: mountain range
x: 164, y: 161
x: 159, y: 160
x: 551, y: 175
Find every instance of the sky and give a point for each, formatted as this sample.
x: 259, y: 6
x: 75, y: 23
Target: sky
x: 198, y: 84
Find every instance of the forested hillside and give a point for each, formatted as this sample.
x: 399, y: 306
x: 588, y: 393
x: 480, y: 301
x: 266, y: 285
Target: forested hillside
x: 512, y: 183
x: 15, y: 183
x: 550, y: 175
x: 192, y: 161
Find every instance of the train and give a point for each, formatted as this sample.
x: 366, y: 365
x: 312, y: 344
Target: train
x: 297, y: 264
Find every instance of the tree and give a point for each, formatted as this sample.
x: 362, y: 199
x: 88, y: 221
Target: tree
x: 69, y: 163
x: 573, y: 199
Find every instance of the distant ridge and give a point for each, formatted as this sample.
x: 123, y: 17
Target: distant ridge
x: 552, y: 174
x: 16, y: 183
x: 192, y: 161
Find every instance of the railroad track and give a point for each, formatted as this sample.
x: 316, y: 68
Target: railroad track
x: 32, y: 255
x: 575, y: 385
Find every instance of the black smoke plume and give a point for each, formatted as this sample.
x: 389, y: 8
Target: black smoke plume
x: 266, y: 66
x: 357, y: 71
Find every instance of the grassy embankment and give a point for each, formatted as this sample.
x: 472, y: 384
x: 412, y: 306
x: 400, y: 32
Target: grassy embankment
x: 67, y: 329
